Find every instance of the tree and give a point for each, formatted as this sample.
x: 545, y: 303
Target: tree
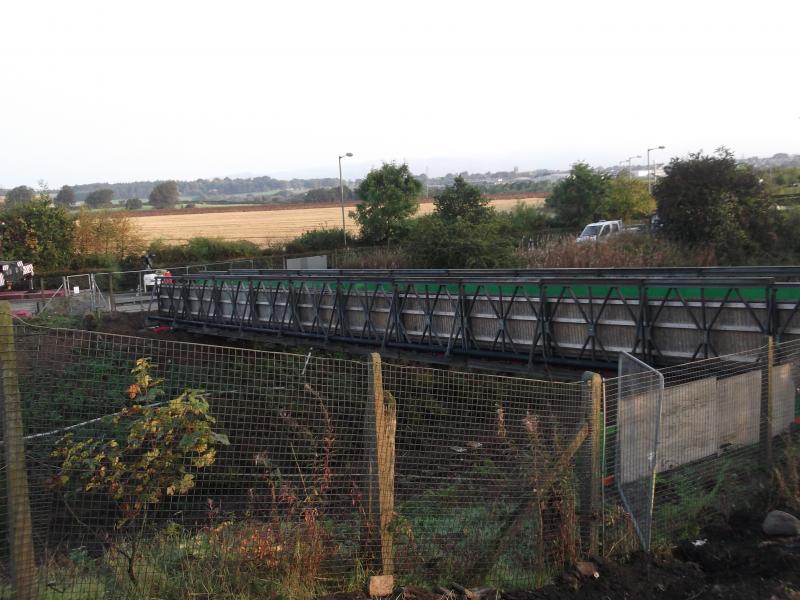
x: 627, y: 199
x: 388, y: 199
x: 65, y: 197
x: 461, y: 201
x: 38, y: 232
x: 107, y: 234
x: 712, y: 200
x: 165, y: 195
x: 579, y: 198
x: 19, y: 195
x: 100, y: 198
x: 133, y: 204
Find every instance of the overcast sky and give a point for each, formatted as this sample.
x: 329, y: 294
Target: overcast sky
x: 120, y: 91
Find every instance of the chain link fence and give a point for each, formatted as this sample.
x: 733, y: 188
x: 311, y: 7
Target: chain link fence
x: 210, y: 471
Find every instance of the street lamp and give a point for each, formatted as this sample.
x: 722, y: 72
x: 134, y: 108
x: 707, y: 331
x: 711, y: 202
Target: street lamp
x: 341, y: 193
x: 629, y: 159
x: 649, y: 182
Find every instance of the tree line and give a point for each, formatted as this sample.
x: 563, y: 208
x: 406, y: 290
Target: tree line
x: 164, y: 195
x: 705, y: 202
x: 199, y: 188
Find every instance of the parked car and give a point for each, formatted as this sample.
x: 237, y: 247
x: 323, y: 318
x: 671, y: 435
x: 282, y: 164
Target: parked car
x: 594, y: 232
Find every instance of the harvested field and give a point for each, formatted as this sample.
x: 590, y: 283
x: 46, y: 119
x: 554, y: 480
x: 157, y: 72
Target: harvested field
x: 265, y: 226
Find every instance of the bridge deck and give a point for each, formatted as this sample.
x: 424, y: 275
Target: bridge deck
x: 542, y: 317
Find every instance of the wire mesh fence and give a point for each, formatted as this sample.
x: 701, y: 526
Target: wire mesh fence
x: 164, y: 469
x: 635, y: 436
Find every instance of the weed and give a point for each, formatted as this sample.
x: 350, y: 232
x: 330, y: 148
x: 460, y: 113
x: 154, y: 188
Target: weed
x: 786, y: 479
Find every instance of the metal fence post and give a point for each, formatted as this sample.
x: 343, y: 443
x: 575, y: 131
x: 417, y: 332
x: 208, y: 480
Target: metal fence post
x: 112, y: 303
x: 765, y: 420
x: 65, y: 283
x: 23, y: 567
x: 92, y: 292
x: 591, y: 465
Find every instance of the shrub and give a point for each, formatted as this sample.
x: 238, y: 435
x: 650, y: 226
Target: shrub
x: 155, y: 453
x: 202, y: 249
x: 522, y: 221
x: 318, y: 240
x: 460, y: 244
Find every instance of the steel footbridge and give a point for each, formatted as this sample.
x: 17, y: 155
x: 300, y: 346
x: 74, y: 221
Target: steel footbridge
x: 534, y: 317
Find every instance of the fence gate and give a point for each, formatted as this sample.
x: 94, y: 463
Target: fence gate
x: 640, y: 392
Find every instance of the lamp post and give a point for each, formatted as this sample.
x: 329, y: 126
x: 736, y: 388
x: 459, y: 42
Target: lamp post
x: 341, y: 194
x: 629, y: 159
x: 649, y: 182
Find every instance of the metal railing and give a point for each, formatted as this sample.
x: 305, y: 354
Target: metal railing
x: 539, y: 319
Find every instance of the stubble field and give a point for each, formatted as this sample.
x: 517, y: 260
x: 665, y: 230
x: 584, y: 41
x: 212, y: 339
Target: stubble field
x: 266, y: 226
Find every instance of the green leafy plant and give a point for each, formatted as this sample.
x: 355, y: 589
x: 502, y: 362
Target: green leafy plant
x: 157, y: 450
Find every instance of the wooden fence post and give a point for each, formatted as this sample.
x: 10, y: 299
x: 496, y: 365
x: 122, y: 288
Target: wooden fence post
x: 381, y: 425
x: 23, y: 567
x: 591, y: 465
x: 765, y: 416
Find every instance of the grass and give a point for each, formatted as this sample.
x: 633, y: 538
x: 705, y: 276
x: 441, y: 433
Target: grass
x: 174, y: 565
x: 628, y: 250
x: 786, y: 479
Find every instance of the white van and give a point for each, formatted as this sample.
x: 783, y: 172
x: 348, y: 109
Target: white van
x: 594, y: 232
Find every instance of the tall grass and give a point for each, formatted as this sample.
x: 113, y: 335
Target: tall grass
x: 629, y: 250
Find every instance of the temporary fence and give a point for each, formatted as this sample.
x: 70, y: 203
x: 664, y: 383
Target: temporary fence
x: 130, y: 290
x: 290, y: 474
x: 639, y: 394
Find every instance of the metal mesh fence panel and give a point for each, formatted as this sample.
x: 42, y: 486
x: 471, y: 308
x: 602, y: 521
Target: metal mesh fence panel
x: 485, y: 467
x: 719, y: 420
x: 270, y: 477
x: 147, y: 511
x: 635, y: 436
x: 164, y: 469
